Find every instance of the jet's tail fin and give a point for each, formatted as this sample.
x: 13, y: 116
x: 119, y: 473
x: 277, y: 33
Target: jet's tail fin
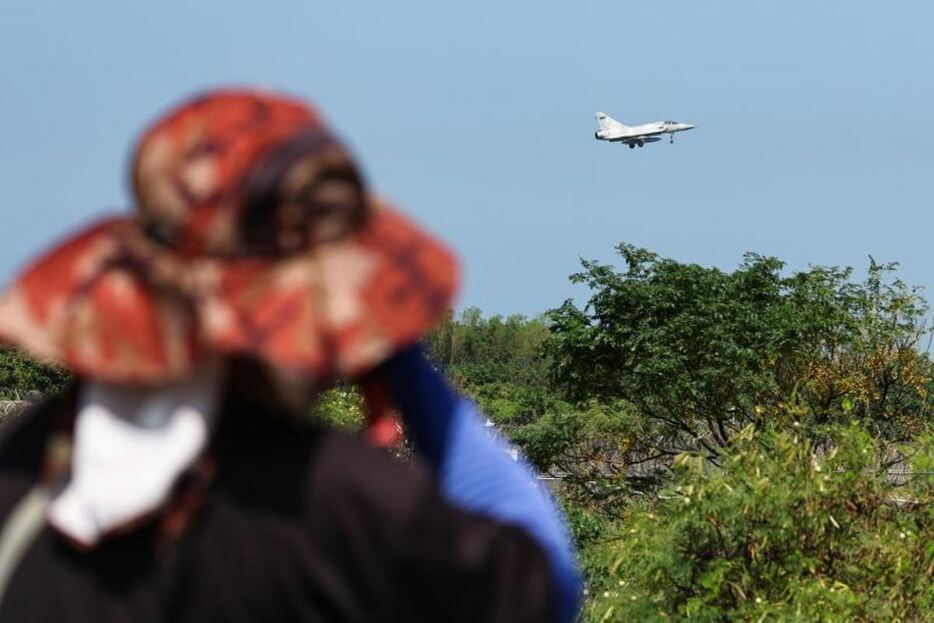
x: 607, y: 122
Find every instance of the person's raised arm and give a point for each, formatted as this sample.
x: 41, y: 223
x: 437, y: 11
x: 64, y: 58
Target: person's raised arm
x: 474, y: 468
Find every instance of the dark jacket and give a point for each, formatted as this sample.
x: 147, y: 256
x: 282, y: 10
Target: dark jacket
x: 299, y: 523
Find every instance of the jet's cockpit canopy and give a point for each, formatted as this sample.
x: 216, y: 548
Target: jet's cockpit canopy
x: 670, y: 122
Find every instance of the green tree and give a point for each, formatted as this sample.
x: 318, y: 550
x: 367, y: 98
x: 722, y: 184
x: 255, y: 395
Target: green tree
x: 702, y: 353
x: 474, y: 350
x: 496, y: 361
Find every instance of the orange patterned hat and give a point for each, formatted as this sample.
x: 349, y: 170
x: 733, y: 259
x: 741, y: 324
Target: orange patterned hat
x: 253, y: 234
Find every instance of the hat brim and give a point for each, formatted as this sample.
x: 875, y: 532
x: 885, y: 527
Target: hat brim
x: 94, y: 306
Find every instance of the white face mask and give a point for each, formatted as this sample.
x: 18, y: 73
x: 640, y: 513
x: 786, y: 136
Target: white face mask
x: 131, y: 445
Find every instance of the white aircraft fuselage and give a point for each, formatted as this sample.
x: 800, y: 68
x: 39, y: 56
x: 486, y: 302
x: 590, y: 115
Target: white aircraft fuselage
x: 633, y: 135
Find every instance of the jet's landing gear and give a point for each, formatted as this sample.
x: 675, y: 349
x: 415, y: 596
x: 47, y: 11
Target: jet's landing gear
x: 631, y: 145
x: 671, y: 138
x: 641, y: 144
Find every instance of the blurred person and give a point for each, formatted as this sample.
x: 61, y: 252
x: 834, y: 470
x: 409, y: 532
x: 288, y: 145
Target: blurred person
x: 179, y: 477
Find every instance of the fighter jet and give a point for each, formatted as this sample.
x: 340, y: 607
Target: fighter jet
x: 632, y: 135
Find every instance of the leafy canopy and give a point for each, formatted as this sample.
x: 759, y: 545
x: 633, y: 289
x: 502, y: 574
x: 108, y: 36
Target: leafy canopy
x: 702, y: 353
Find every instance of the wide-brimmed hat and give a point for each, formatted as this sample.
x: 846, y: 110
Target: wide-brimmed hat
x: 253, y: 233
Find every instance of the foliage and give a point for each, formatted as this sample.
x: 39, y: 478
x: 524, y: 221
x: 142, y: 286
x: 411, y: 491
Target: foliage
x: 781, y: 532
x: 496, y: 362
x: 21, y: 376
x: 477, y: 351
x: 589, y: 446
x: 702, y: 353
x: 340, y: 406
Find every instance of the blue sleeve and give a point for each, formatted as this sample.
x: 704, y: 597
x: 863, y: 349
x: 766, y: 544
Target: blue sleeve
x: 476, y: 471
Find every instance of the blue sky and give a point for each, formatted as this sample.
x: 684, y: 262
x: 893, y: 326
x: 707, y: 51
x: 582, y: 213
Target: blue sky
x: 815, y: 137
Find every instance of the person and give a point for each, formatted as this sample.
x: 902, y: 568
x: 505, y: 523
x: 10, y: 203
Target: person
x: 179, y: 478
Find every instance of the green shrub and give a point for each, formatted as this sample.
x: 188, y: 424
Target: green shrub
x: 21, y: 376
x: 786, y: 530
x: 340, y: 406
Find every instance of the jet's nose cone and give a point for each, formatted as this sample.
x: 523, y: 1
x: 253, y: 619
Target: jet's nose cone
x: 687, y: 126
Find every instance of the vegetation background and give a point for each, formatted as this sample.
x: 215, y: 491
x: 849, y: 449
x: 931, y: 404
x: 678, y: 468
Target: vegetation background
x: 728, y: 446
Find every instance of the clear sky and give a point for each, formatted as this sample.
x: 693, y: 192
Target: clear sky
x: 815, y: 137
